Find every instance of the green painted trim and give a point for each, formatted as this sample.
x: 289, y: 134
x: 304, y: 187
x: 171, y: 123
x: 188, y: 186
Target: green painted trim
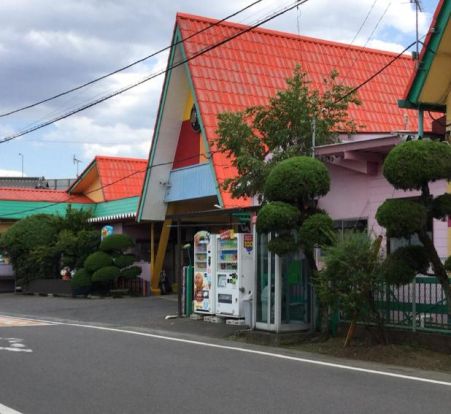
x: 121, y: 206
x: 429, y: 54
x: 402, y: 103
x: 156, y: 134
x: 202, y: 127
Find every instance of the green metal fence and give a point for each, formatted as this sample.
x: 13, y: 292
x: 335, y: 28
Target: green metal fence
x: 418, y: 306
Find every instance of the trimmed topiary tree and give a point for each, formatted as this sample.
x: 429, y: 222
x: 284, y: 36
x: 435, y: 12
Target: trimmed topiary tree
x: 97, y: 260
x: 297, y: 181
x: 116, y: 243
x: 292, y: 188
x: 276, y: 216
x: 392, y: 215
x: 412, y: 166
x: 131, y: 272
x: 81, y: 282
x: 107, y: 274
x: 110, y: 262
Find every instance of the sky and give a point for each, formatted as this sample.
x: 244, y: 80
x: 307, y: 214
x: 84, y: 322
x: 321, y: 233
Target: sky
x: 48, y: 46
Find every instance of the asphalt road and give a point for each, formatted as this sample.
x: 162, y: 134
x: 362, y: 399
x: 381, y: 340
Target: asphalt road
x: 106, y: 368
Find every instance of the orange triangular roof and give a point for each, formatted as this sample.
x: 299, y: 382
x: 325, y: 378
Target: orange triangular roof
x: 118, y: 177
x: 251, y: 68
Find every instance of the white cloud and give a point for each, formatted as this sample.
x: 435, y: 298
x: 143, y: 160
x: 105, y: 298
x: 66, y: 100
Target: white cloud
x: 388, y: 46
x: 11, y: 173
x: 114, y: 139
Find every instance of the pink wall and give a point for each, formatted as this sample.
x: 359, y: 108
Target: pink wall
x: 354, y: 195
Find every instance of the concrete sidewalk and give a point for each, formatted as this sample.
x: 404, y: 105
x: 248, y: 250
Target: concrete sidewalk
x: 131, y: 312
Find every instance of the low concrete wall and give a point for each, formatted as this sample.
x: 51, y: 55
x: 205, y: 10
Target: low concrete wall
x: 7, y: 278
x: 46, y: 286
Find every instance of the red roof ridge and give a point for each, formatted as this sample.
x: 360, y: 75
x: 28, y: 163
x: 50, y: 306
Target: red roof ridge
x: 110, y: 157
x: 279, y: 33
x: 28, y: 189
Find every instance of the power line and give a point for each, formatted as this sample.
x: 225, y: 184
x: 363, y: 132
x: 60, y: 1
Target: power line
x: 129, y: 65
x: 358, y: 32
x: 67, y: 200
x: 150, y: 77
x: 208, y: 157
x: 394, y: 59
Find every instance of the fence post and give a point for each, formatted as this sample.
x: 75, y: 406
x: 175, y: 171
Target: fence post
x: 414, y: 304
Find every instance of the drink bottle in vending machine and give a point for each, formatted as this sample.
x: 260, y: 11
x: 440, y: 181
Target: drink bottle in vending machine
x: 234, y: 272
x: 204, y: 266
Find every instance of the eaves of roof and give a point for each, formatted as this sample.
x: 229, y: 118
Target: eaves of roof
x: 439, y: 22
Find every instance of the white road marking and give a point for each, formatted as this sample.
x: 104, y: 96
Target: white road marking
x: 9, y: 321
x: 262, y: 353
x: 14, y: 345
x: 6, y: 410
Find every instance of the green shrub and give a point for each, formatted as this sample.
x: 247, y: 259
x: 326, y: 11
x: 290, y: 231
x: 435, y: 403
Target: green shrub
x: 97, y: 260
x: 401, y: 217
x: 448, y: 264
x: 412, y: 164
x: 25, y: 240
x: 441, y: 206
x: 277, y: 216
x: 351, y: 276
x: 106, y: 274
x: 297, y: 180
x: 282, y: 244
x: 116, y: 242
x: 318, y: 229
x: 131, y: 272
x: 124, y: 260
x: 81, y: 279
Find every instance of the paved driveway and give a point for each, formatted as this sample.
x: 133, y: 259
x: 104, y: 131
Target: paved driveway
x: 138, y: 313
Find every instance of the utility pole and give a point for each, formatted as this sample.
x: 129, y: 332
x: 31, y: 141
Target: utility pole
x: 313, y: 136
x: 418, y: 9
x: 21, y: 156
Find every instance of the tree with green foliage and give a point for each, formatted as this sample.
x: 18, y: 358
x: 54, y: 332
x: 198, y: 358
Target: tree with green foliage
x: 271, y: 146
x: 39, y: 245
x: 414, y: 165
x: 259, y: 137
x: 351, y: 279
x: 29, y: 244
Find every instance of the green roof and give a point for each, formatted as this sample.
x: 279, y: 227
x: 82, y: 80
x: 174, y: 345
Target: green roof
x: 117, y: 209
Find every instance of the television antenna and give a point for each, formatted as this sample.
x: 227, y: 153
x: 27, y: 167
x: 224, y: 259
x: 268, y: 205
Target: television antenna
x: 76, y: 161
x: 418, y: 9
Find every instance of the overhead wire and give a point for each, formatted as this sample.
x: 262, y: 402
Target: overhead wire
x: 152, y: 76
x: 101, y: 187
x: 121, y: 69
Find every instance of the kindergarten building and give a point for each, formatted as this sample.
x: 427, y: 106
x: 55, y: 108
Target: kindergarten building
x: 183, y: 184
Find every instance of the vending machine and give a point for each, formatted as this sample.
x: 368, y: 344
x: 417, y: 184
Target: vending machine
x: 234, y: 272
x: 204, y: 267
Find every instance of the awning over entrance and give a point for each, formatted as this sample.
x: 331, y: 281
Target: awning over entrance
x: 363, y: 156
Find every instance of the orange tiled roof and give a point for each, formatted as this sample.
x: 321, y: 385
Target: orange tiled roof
x: 112, y: 171
x: 253, y: 67
x: 32, y: 194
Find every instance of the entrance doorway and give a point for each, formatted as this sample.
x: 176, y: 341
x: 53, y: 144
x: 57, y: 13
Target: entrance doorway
x: 283, y: 290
